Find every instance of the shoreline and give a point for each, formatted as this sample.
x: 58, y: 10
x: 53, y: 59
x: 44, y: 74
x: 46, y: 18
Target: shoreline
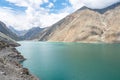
x: 10, y: 67
x: 82, y: 42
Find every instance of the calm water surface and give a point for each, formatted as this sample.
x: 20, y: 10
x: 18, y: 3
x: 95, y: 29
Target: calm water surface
x: 72, y: 61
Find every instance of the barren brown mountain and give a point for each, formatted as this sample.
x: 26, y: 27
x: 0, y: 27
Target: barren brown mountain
x: 86, y: 25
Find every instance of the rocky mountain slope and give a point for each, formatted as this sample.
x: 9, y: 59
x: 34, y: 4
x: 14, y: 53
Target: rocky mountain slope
x: 32, y: 33
x: 86, y: 25
x: 7, y: 41
x: 10, y: 58
x: 5, y: 30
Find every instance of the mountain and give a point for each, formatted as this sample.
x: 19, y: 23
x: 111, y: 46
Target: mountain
x: 7, y: 40
x: 5, y: 30
x: 86, y: 25
x: 27, y: 34
x: 32, y: 33
x: 18, y: 32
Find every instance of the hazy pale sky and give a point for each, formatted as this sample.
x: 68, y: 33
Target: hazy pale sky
x: 25, y: 14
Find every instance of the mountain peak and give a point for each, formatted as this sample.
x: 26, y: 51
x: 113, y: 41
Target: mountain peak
x: 87, y: 25
x: 102, y: 11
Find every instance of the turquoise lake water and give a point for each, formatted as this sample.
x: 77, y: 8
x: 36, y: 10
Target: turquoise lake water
x: 72, y: 61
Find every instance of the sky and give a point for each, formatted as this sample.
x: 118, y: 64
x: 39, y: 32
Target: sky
x: 25, y: 14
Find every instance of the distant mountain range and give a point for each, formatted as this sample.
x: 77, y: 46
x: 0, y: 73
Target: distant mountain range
x: 86, y: 25
x: 20, y: 35
x: 18, y: 32
x: 31, y: 33
x: 27, y: 34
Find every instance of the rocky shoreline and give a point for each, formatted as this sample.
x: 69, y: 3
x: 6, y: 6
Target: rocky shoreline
x: 10, y: 67
x: 10, y: 58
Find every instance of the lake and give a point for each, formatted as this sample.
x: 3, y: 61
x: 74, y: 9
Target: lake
x: 71, y: 61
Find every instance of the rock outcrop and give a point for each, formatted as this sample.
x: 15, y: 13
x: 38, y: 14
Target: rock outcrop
x: 86, y: 25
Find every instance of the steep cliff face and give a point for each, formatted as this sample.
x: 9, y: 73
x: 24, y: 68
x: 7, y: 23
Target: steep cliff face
x: 7, y: 31
x: 86, y: 25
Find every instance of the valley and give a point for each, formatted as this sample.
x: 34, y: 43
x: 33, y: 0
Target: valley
x: 84, y: 45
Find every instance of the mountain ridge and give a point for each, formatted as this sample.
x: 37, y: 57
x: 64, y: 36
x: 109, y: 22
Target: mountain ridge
x: 102, y: 11
x: 86, y: 25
